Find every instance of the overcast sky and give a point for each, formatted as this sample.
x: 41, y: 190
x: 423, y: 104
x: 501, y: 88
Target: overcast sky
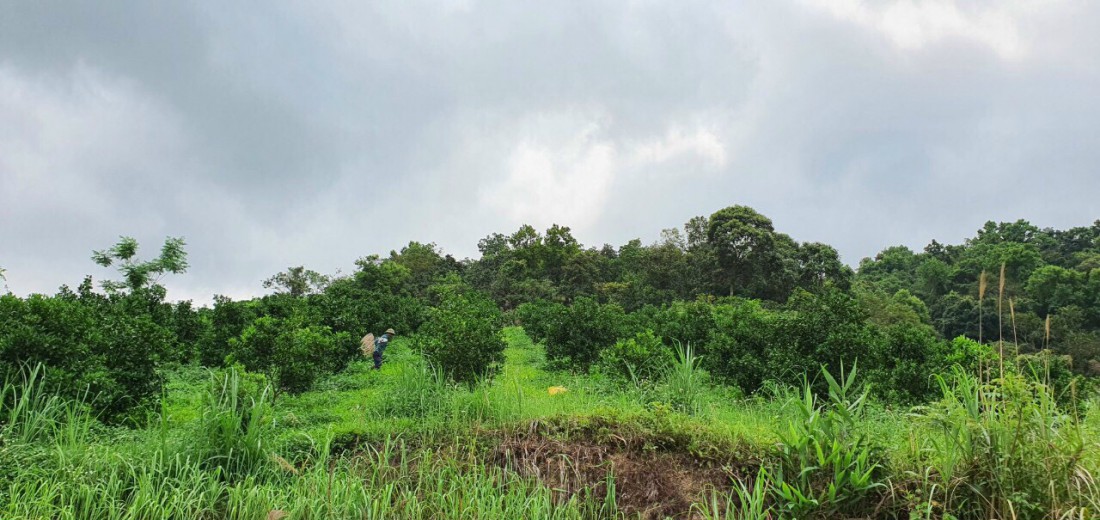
x: 314, y: 133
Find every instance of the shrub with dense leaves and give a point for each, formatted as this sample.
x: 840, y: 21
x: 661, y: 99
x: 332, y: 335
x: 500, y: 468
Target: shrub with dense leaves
x: 642, y: 357
x: 538, y: 317
x: 738, y: 351
x: 292, y: 356
x: 92, y: 346
x: 583, y: 330
x: 461, y: 336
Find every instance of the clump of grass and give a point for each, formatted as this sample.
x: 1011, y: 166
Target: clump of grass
x: 741, y: 503
x: 235, y: 425
x: 685, y: 382
x: 826, y: 466
x: 30, y: 412
x: 1001, y: 450
x: 415, y: 390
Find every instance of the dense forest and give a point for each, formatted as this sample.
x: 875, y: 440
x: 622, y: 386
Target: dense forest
x: 754, y: 302
x: 726, y: 344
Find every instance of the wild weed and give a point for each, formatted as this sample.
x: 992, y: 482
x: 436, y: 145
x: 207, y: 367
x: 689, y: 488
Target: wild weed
x: 826, y: 466
x: 685, y: 382
x: 235, y: 425
x: 30, y: 413
x: 742, y: 503
x: 1003, y: 449
x: 417, y: 390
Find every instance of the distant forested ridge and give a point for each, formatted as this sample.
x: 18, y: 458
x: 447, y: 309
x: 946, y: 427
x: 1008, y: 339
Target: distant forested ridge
x: 755, y: 303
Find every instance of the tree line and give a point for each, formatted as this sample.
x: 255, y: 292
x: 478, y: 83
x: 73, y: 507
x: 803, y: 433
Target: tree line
x: 754, y: 303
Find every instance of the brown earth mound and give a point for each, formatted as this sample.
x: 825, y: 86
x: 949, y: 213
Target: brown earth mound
x: 647, y: 482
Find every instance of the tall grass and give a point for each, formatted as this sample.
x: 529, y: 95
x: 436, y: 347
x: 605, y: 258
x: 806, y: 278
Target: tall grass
x: 235, y: 425
x: 30, y: 412
x: 1002, y: 450
x: 741, y: 503
x: 685, y: 382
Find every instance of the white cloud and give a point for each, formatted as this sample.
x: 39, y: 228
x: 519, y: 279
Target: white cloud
x: 677, y: 142
x: 561, y: 166
x: 559, y: 170
x: 915, y: 24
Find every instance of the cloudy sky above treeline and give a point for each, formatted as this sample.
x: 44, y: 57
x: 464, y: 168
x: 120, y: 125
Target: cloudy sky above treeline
x: 314, y: 133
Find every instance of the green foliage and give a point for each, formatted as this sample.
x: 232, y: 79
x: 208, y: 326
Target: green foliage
x: 462, y: 334
x: 684, y: 321
x: 904, y: 358
x: 1000, y: 450
x: 969, y: 355
x: 539, y: 317
x: 743, y: 503
x: 376, y: 297
x: 292, y: 356
x: 89, y: 346
x: 1052, y: 288
x: 417, y: 391
x: 685, y: 382
x: 641, y: 358
x: 297, y: 281
x: 227, y: 320
x: 235, y: 424
x: 743, y: 239
x: 580, y: 332
x: 739, y: 349
x: 139, y: 274
x: 1056, y: 373
x: 826, y: 466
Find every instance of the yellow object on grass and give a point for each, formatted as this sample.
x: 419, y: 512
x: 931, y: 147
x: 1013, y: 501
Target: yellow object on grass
x: 555, y: 390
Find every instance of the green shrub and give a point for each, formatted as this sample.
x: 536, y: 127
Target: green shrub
x: 826, y: 466
x: 687, y: 322
x: 582, y: 331
x: 462, y: 334
x: 905, y: 356
x: 89, y: 345
x: 744, y: 335
x: 640, y: 358
x: 539, y: 317
x: 969, y: 355
x: 293, y: 357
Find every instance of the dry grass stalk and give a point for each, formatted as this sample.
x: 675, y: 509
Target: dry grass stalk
x: 1012, y: 312
x: 1046, y: 327
x: 1000, y: 326
x: 982, y: 282
x: 284, y: 464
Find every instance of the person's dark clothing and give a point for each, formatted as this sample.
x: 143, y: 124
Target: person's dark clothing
x: 379, y: 346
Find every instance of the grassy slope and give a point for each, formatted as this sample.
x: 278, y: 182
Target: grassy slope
x: 407, y: 447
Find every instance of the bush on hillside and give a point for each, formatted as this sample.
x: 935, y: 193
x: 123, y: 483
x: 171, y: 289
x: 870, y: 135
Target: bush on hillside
x: 91, y: 348
x: 539, y: 317
x: 640, y: 358
x: 583, y: 330
x: 293, y: 357
x: 461, y: 336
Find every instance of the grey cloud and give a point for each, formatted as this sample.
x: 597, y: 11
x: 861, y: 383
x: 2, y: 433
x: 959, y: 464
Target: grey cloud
x: 316, y: 133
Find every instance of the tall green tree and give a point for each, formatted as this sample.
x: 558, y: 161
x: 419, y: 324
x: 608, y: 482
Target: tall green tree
x: 138, y: 274
x: 297, y: 282
x: 743, y: 239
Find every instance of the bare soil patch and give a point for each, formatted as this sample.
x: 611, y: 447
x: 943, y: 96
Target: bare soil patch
x: 649, y: 482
